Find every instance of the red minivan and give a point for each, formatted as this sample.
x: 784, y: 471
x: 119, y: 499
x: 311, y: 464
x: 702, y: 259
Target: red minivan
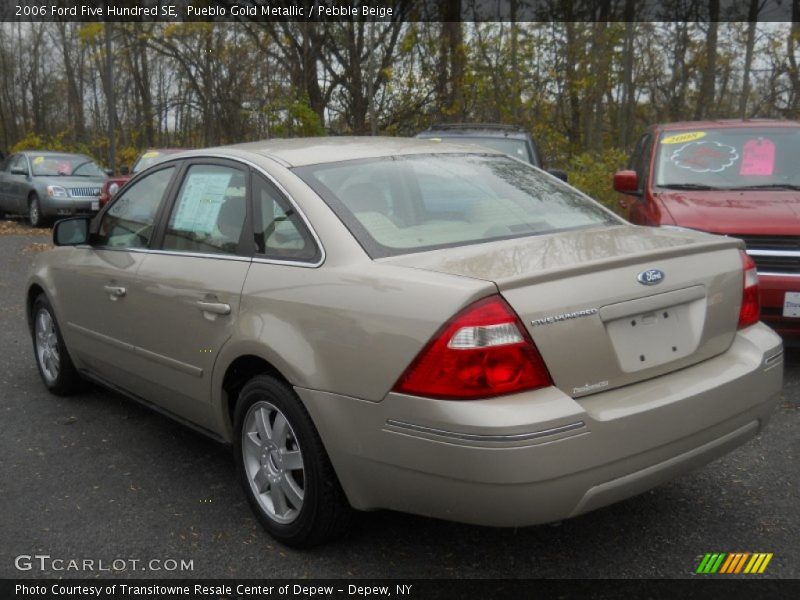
x: 735, y: 177
x: 147, y: 158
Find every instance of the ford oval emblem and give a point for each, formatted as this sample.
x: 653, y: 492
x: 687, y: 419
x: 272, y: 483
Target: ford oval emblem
x: 651, y: 277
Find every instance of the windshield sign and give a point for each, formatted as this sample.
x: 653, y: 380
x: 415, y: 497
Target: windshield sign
x: 46, y: 165
x: 729, y: 159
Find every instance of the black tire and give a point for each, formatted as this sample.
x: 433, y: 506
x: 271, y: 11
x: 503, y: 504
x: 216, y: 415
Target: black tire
x: 67, y: 380
x: 35, y: 217
x: 324, y: 513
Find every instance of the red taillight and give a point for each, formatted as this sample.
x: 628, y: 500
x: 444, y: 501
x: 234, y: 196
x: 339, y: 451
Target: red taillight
x: 748, y: 314
x: 483, y: 351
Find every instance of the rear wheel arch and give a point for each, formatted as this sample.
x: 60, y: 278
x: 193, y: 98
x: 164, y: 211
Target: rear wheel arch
x: 241, y: 370
x: 33, y: 292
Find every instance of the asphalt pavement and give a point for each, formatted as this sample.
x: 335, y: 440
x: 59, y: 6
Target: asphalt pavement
x: 98, y: 477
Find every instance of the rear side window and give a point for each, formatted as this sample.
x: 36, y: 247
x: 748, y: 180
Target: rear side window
x: 128, y: 222
x: 410, y: 204
x: 209, y: 212
x: 279, y: 232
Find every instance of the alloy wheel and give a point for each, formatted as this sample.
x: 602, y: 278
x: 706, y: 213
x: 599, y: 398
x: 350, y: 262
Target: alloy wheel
x: 34, y: 216
x: 47, y: 351
x: 273, y: 462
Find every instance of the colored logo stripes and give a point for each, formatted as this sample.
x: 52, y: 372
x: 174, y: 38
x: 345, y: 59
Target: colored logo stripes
x: 734, y: 562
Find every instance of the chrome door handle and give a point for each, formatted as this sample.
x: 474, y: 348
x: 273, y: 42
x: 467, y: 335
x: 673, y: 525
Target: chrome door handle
x: 219, y: 308
x: 115, y: 291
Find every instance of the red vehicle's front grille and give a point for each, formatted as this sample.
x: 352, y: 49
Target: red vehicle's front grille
x: 774, y: 254
x: 770, y: 242
x: 777, y: 264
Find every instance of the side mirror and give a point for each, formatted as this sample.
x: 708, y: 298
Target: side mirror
x: 109, y: 172
x: 627, y: 182
x: 71, y: 232
x: 562, y: 175
x: 124, y: 170
x: 18, y: 171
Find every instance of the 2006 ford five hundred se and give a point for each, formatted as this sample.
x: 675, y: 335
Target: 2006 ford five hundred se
x: 388, y: 323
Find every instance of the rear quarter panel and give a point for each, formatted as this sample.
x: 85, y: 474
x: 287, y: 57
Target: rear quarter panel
x: 349, y: 330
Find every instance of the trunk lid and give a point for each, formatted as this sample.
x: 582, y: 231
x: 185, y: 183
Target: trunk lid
x: 580, y: 297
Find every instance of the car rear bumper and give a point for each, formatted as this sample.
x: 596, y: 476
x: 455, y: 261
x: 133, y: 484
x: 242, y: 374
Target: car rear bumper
x: 542, y: 456
x: 773, y: 291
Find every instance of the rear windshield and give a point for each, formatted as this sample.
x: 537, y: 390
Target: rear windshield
x: 401, y: 205
x: 729, y: 159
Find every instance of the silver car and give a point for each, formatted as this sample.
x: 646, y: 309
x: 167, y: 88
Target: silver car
x: 44, y: 185
x: 386, y: 323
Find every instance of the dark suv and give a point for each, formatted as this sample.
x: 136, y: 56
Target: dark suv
x: 511, y: 139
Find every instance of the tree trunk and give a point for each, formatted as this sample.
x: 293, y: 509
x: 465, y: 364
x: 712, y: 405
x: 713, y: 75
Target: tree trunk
x: 110, y: 100
x: 705, y: 100
x: 752, y: 23
x: 627, y: 108
x: 791, y: 45
x: 515, y: 88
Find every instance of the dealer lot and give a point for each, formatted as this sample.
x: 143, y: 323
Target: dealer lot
x: 99, y: 477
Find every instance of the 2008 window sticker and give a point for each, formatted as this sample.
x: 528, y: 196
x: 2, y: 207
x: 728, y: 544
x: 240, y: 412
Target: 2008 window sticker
x: 704, y: 157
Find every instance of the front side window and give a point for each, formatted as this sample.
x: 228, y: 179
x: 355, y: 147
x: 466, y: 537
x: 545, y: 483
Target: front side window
x: 18, y: 162
x: 209, y: 212
x: 410, y: 204
x: 129, y: 221
x: 735, y: 158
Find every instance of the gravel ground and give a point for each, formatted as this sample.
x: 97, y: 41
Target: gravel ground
x: 97, y: 476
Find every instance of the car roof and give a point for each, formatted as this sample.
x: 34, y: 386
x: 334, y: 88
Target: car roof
x: 297, y: 152
x: 726, y: 123
x: 491, y: 130
x: 52, y: 153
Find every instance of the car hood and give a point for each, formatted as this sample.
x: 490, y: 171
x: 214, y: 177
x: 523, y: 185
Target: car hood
x: 729, y: 211
x: 71, y: 182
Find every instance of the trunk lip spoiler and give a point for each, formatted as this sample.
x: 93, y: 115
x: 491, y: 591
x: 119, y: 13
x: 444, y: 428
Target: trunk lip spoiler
x: 510, y: 283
